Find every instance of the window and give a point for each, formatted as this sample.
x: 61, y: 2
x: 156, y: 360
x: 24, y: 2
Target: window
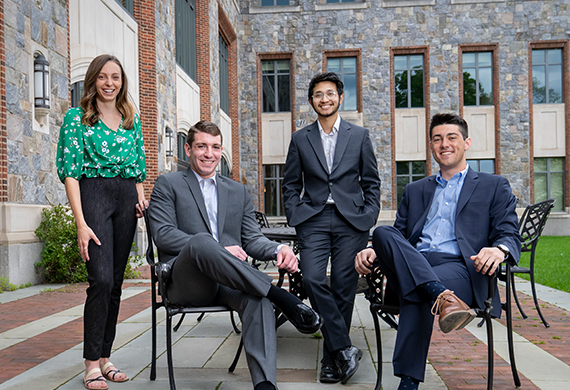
x: 127, y: 4
x: 224, y: 77
x: 486, y: 166
x: 223, y: 168
x: 407, y: 172
x: 547, y: 76
x: 549, y: 180
x: 183, y: 159
x: 276, y: 81
x: 339, y: 1
x: 345, y: 68
x: 409, y: 80
x: 272, y: 196
x: 478, y: 79
x: 272, y: 3
x: 186, y: 36
x: 76, y: 93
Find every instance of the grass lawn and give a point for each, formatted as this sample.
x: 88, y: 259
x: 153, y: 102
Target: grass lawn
x: 551, y: 261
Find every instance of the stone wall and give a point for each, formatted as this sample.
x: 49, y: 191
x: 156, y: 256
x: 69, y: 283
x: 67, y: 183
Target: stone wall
x: 31, y: 27
x: 307, y: 29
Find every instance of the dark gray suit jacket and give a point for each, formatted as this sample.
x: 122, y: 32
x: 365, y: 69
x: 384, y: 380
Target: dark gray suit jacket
x: 353, y: 181
x: 177, y: 211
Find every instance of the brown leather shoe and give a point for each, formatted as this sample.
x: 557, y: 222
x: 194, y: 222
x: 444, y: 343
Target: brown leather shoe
x: 454, y: 314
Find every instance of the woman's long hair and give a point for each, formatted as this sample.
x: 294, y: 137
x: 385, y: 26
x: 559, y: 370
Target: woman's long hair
x: 89, y: 99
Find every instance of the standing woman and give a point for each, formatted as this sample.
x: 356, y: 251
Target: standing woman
x: 100, y: 159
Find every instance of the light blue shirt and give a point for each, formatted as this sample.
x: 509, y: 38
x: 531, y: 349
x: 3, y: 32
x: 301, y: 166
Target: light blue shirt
x: 438, y: 234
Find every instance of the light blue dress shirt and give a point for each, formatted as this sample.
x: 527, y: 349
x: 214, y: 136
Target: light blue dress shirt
x: 438, y: 234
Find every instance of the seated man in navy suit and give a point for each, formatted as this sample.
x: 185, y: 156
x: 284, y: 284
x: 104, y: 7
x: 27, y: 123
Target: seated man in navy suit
x: 451, y: 231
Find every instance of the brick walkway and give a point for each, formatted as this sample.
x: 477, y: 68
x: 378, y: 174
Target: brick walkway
x: 459, y: 358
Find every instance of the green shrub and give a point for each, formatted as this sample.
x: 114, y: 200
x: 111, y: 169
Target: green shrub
x: 61, y: 260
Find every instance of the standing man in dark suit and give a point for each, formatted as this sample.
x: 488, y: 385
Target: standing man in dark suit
x: 204, y: 225
x: 451, y: 231
x: 331, y: 193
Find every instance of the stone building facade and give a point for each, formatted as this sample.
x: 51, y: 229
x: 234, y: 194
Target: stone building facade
x: 513, y: 134
x: 188, y: 60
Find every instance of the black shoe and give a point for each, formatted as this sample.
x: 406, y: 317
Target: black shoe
x: 305, y: 319
x: 347, y: 360
x: 329, y: 371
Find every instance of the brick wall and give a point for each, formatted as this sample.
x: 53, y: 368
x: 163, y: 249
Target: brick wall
x: 3, y: 150
x: 144, y: 13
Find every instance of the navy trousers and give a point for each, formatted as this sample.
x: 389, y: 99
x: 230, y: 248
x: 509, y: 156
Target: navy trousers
x: 406, y: 268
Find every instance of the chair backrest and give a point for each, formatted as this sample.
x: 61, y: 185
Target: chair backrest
x: 150, y: 248
x: 532, y: 223
x: 261, y: 219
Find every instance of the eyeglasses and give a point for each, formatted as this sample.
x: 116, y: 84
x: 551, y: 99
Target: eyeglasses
x: 319, y: 95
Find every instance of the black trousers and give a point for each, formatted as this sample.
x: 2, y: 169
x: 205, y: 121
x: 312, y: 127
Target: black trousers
x: 329, y: 235
x: 109, y: 210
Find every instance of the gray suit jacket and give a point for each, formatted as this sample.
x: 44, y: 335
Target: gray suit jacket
x: 353, y: 181
x: 177, y: 211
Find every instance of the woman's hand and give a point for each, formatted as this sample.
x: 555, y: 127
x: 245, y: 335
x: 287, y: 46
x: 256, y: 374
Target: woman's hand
x: 140, y: 207
x: 142, y: 203
x: 84, y: 235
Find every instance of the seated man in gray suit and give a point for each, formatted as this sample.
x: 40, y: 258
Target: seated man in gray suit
x: 204, y: 225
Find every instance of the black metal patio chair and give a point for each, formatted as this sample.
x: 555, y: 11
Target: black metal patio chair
x: 384, y: 306
x: 531, y: 225
x: 160, y: 275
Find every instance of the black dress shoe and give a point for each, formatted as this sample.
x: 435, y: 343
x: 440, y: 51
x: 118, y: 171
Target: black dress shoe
x: 305, y: 319
x: 347, y: 360
x: 329, y: 371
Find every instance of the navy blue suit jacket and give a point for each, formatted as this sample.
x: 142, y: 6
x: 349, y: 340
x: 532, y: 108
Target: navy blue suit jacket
x: 353, y: 181
x: 485, y: 217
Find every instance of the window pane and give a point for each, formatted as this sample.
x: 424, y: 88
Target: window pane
x: 282, y: 2
x: 469, y: 88
x: 266, y: 3
x: 538, y: 57
x: 487, y: 166
x: 402, y: 168
x: 349, y: 102
x: 556, y: 165
x: 540, y: 187
x: 417, y: 61
x: 401, y: 183
x: 283, y: 66
x: 555, y: 84
x: 555, y: 56
x: 538, y: 84
x: 400, y: 63
x: 557, y: 190
x: 349, y: 64
x: 540, y: 165
x: 418, y: 168
x: 417, y: 86
x: 268, y: 94
x: 485, y: 59
x: 267, y: 66
x: 468, y: 60
x: 401, y: 89
x: 333, y: 65
x: 485, y: 87
x: 283, y: 88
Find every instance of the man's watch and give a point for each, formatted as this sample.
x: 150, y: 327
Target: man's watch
x: 503, y: 248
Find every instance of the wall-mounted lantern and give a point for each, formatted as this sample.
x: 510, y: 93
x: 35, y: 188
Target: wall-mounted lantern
x: 168, y: 134
x: 41, y: 82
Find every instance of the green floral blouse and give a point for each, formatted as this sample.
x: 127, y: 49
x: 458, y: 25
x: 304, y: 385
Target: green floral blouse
x: 98, y: 151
